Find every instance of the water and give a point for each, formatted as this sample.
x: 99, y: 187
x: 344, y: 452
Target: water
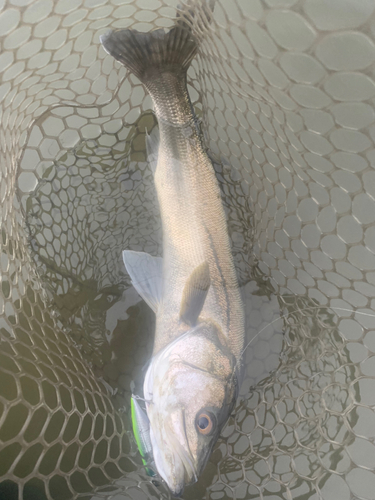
x: 291, y: 136
x: 96, y: 201
x: 298, y: 367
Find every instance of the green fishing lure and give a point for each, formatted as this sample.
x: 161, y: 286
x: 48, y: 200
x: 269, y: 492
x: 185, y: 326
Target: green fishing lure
x: 141, y: 430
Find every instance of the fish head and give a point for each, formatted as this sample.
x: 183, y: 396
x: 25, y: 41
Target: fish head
x: 192, y: 388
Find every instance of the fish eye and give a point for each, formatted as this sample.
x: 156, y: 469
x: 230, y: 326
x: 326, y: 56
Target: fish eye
x: 204, y: 423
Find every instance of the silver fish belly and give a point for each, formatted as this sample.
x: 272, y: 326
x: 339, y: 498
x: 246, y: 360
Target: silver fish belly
x: 192, y: 381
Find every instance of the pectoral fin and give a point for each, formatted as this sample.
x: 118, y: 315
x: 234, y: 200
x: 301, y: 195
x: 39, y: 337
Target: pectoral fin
x: 194, y: 294
x: 146, y: 273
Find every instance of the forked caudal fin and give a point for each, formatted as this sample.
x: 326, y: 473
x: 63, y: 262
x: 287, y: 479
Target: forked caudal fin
x: 147, y: 54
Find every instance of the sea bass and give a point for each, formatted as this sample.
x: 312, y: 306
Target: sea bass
x: 192, y: 380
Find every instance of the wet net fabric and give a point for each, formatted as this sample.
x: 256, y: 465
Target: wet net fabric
x: 284, y: 92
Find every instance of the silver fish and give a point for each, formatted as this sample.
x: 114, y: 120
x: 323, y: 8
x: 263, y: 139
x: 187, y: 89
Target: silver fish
x: 192, y: 380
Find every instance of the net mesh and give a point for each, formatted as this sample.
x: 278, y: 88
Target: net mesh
x: 284, y: 90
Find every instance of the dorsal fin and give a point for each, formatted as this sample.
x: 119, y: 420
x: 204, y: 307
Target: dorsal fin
x: 146, y: 273
x: 194, y: 294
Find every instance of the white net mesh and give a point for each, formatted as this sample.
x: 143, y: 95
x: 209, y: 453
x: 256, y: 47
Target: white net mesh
x: 285, y: 91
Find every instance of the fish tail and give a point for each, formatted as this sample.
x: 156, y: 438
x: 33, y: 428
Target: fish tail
x: 149, y: 54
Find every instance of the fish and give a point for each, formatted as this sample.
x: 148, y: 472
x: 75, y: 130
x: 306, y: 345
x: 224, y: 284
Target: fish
x: 192, y: 380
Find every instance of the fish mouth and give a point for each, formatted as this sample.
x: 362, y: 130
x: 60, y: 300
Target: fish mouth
x: 173, y: 459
